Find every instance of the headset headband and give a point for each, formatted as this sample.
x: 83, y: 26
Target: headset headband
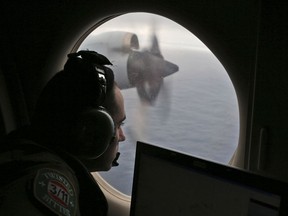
x: 97, y: 63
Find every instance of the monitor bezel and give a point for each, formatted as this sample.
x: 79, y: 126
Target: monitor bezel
x: 237, y: 175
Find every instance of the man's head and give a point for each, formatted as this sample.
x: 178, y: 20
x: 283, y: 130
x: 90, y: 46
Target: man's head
x: 68, y: 116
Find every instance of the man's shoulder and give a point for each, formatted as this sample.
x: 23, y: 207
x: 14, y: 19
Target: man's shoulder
x: 33, y: 175
x: 23, y: 153
x: 46, y: 189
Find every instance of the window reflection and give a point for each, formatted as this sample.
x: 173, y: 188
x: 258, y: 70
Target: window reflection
x: 177, y: 94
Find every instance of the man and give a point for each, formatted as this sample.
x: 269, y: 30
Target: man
x: 76, y: 129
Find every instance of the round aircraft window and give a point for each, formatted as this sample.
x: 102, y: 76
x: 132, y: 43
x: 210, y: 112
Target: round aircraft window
x: 177, y: 94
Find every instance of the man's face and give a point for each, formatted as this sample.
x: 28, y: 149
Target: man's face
x: 104, y: 162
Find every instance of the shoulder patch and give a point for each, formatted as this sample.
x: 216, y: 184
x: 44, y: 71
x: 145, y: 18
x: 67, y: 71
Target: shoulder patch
x: 55, y: 191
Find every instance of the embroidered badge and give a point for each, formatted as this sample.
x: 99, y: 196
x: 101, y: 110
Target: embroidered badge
x: 55, y: 191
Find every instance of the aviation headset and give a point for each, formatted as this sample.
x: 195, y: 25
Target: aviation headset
x: 94, y: 129
x: 68, y: 114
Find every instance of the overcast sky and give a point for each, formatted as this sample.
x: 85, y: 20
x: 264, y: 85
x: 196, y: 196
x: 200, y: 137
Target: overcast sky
x: 143, y: 24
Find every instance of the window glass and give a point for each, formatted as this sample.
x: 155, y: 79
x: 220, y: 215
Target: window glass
x: 183, y: 99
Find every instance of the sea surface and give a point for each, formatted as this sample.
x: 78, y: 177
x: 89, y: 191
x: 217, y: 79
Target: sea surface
x: 196, y: 112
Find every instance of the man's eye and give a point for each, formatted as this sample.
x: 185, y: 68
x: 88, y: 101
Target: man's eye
x: 121, y: 124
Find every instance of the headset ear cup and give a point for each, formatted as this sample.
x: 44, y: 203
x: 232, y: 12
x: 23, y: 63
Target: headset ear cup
x: 94, y: 133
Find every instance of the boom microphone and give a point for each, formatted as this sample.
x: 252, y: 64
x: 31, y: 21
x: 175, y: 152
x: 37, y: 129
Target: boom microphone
x: 115, y: 163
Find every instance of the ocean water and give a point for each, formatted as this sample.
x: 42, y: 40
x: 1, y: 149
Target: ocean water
x: 196, y: 112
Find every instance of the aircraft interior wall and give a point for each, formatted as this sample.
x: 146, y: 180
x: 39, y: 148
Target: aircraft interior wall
x: 269, y: 132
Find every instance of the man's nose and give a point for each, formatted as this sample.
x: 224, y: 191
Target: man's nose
x: 121, y: 135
